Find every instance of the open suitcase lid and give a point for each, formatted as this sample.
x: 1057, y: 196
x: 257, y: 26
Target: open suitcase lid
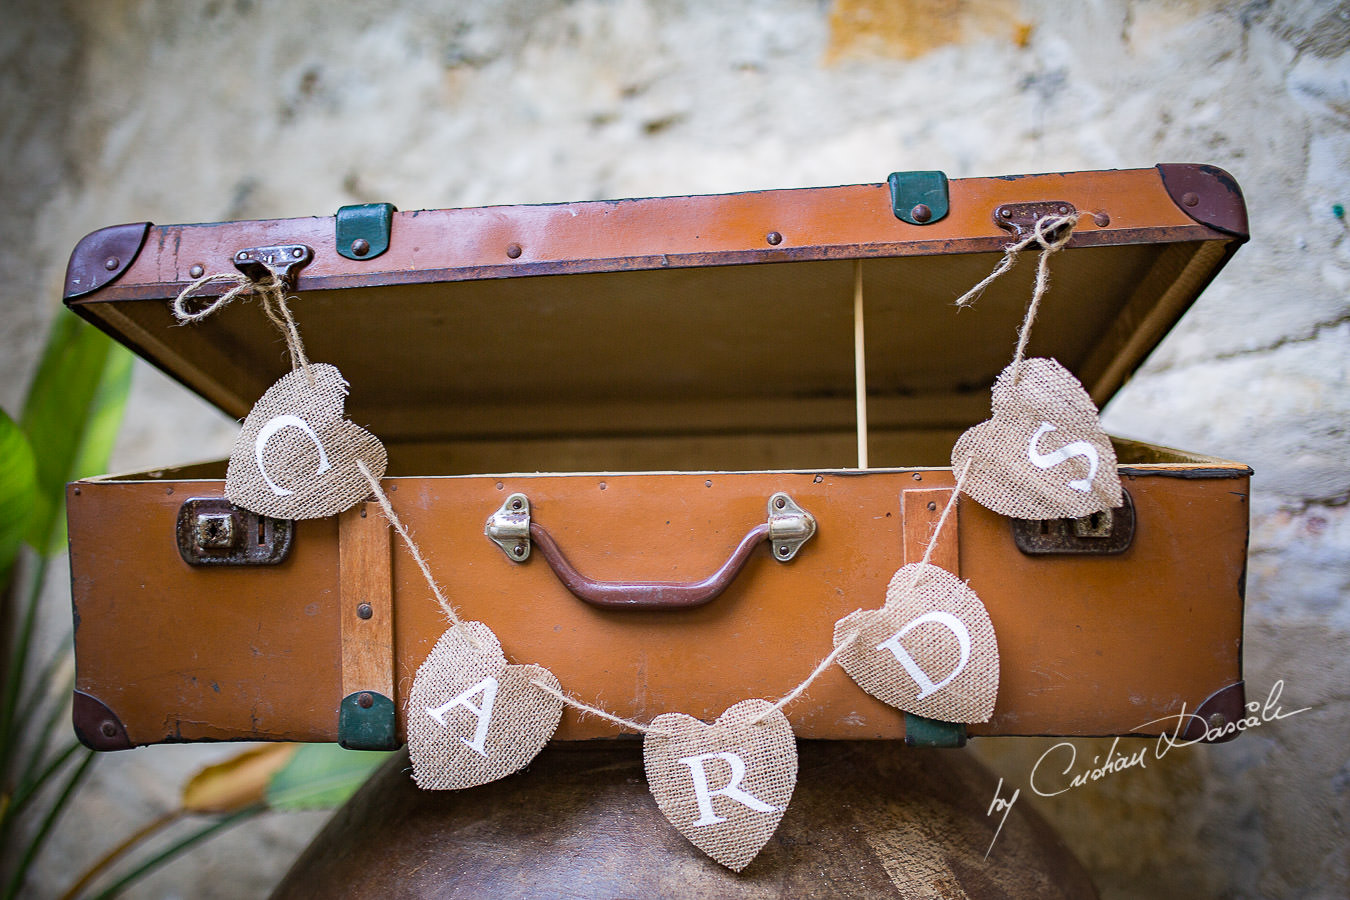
x: 682, y: 315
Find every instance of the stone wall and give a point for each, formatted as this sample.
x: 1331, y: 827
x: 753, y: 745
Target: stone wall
x: 138, y: 109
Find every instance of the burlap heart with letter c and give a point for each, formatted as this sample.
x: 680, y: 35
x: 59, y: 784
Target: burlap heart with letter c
x: 296, y: 455
x: 930, y: 650
x: 471, y: 717
x: 724, y: 786
x: 1042, y: 454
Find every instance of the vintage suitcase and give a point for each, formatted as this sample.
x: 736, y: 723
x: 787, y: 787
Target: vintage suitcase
x: 640, y: 388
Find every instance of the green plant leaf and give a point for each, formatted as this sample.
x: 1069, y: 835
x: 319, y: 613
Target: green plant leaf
x: 321, y: 776
x: 18, y: 491
x: 71, y: 417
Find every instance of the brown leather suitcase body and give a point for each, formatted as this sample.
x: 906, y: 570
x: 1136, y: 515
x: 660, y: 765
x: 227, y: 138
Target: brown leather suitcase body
x: 651, y: 385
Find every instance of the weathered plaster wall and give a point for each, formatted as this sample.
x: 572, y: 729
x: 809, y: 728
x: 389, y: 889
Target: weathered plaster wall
x: 138, y: 109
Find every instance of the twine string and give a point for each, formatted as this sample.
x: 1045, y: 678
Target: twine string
x: 275, y: 304
x: 942, y: 520
x: 1051, y: 234
x: 416, y: 552
x: 597, y: 711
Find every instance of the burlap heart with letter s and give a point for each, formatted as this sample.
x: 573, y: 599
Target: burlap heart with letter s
x: 471, y: 717
x: 930, y: 650
x: 724, y: 786
x: 296, y: 455
x: 1043, y: 454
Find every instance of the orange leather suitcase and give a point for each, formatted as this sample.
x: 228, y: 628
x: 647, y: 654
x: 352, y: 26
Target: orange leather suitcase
x: 664, y: 389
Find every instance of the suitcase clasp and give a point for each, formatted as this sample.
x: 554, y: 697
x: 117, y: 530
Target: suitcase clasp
x: 212, y: 531
x: 1103, y: 533
x: 281, y: 262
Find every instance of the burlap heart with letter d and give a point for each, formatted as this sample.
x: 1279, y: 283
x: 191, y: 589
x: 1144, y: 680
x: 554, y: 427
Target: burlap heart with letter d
x: 471, y: 717
x: 724, y: 786
x: 296, y: 455
x: 1043, y: 454
x: 930, y: 650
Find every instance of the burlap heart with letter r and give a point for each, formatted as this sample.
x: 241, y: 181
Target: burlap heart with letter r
x: 1043, y: 454
x: 724, y: 786
x: 930, y: 650
x: 296, y: 455
x: 471, y: 717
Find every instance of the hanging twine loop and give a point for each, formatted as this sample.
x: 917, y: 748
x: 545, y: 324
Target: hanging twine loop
x: 1051, y: 234
x: 272, y: 293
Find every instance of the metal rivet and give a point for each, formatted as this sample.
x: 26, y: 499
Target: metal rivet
x: 774, y: 238
x: 242, y: 254
x: 783, y: 551
x: 168, y: 490
x: 707, y: 484
x: 818, y: 479
x: 603, y: 485
x: 365, y: 701
x: 518, y: 549
x: 932, y: 507
x: 196, y: 271
x: 515, y: 504
x: 108, y: 728
x: 1101, y: 219
x: 77, y: 492
x: 780, y: 502
x: 111, y: 263
x: 1062, y: 210
x: 1218, y: 720
x: 1190, y: 199
x: 500, y: 486
x: 360, y: 247
x: 363, y: 611
x: 921, y: 213
x: 513, y: 251
x: 1004, y: 213
x: 918, y: 477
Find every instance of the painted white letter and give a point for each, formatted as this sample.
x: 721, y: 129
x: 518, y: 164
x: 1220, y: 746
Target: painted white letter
x: 1067, y: 452
x: 926, y: 685
x: 272, y: 427
x: 732, y: 790
x: 488, y: 687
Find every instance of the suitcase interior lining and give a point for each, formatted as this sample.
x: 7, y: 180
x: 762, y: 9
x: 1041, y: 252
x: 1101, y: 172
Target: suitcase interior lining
x: 725, y: 368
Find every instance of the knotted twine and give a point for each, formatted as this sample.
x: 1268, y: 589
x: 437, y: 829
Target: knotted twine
x: 271, y: 291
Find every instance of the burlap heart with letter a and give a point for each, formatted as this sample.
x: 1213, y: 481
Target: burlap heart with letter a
x: 930, y: 650
x: 724, y: 786
x: 1043, y: 454
x: 471, y: 717
x: 296, y: 455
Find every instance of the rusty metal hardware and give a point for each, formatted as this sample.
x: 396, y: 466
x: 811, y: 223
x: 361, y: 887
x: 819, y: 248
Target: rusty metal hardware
x: 1021, y: 218
x: 282, y: 262
x: 1207, y: 194
x: 212, y: 531
x: 922, y: 732
x: 787, y: 529
x: 1217, y: 715
x: 1103, y: 533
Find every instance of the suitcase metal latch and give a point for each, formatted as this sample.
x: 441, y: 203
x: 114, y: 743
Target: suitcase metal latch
x: 1103, y: 533
x: 212, y: 531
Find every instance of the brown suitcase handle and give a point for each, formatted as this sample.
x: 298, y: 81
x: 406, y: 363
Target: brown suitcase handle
x: 789, y: 526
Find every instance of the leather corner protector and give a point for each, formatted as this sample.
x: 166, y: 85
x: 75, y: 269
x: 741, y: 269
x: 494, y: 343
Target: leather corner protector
x: 1219, y: 711
x: 921, y: 732
x: 367, y: 721
x: 97, y: 726
x: 102, y: 256
x: 1207, y: 194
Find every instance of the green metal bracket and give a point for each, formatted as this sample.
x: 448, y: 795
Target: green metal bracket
x: 366, y: 721
x: 921, y: 732
x: 363, y: 230
x: 919, y: 198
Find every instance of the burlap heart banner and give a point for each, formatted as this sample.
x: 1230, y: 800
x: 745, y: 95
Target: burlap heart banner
x: 724, y: 786
x: 296, y: 455
x: 1043, y: 454
x: 930, y: 650
x: 471, y: 717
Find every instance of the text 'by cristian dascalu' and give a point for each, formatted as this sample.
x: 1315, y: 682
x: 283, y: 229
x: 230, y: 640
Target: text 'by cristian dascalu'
x: 1058, y: 770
